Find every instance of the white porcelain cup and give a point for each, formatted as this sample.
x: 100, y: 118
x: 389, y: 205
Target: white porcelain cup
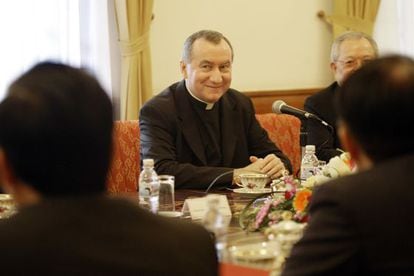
x: 253, y: 181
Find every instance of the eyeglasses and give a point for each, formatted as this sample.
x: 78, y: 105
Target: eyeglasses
x: 351, y: 62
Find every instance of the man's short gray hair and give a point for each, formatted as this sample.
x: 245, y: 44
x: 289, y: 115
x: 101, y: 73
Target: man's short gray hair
x: 209, y: 35
x: 351, y: 36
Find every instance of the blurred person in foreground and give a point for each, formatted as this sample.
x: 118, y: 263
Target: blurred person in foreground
x: 199, y: 128
x: 349, y: 52
x: 362, y: 224
x: 55, y: 148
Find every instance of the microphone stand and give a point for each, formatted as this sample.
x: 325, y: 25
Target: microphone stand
x: 304, y: 133
x: 215, y: 180
x: 303, y: 138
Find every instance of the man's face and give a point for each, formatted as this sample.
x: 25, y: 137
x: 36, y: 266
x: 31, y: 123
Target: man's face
x: 353, y: 54
x: 208, y: 75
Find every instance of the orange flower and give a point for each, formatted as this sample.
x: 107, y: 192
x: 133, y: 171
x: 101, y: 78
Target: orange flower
x: 348, y: 160
x: 301, y: 200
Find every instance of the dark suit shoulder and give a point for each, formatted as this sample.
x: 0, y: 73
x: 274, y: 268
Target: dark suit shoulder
x: 163, y: 100
x: 387, y: 178
x: 239, y: 100
x: 162, y: 107
x: 323, y: 96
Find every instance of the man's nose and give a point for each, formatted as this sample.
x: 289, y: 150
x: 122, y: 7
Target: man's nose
x: 358, y: 63
x: 216, y: 76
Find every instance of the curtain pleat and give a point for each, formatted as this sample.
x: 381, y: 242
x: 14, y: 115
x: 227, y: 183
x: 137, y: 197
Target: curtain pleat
x: 133, y: 21
x: 353, y: 15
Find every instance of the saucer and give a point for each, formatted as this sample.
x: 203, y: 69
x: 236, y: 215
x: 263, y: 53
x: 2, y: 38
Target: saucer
x: 248, y: 191
x: 5, y: 197
x: 170, y: 214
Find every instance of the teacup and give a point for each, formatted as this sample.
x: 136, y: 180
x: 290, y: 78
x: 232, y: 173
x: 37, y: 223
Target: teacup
x: 253, y: 181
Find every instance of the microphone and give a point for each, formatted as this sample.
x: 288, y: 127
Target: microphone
x: 280, y: 107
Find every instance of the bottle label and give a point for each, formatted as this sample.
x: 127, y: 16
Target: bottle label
x: 307, y: 172
x: 145, y: 191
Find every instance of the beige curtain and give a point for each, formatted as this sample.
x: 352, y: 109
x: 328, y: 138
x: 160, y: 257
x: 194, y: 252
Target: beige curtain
x: 352, y: 15
x: 133, y: 21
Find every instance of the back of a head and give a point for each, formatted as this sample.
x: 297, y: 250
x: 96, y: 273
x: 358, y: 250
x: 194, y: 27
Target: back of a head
x: 376, y: 104
x: 56, y: 128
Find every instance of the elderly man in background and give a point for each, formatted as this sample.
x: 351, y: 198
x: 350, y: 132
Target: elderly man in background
x: 349, y: 52
x: 199, y: 129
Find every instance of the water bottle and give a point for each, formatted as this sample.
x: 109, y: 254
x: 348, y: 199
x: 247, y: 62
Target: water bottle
x: 149, y: 186
x: 215, y: 223
x: 310, y: 163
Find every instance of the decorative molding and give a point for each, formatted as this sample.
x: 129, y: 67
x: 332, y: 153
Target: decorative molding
x: 263, y: 100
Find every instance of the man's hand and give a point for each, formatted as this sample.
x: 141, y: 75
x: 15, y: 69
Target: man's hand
x: 271, y: 165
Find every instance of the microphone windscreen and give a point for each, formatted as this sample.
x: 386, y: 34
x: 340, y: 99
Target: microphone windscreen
x: 277, y: 105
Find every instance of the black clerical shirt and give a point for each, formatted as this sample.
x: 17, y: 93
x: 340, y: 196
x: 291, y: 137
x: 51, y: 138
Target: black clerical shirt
x: 210, y: 130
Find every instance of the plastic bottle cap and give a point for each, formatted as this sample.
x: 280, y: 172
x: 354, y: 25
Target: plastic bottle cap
x: 148, y: 162
x: 310, y: 148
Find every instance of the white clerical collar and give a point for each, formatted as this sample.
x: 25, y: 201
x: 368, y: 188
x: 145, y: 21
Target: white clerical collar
x: 209, y: 106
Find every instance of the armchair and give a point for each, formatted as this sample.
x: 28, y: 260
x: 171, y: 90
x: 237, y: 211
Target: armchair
x: 125, y: 167
x: 284, y: 131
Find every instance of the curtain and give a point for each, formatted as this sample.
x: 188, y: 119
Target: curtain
x: 394, y: 27
x: 133, y: 21
x: 352, y: 15
x: 74, y: 32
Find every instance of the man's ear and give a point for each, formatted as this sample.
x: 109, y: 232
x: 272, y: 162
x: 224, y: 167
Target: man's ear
x: 183, y: 68
x: 349, y: 143
x: 7, y: 175
x: 333, y: 67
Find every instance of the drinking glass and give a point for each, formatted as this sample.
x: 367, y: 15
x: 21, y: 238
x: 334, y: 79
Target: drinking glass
x: 166, y: 196
x: 252, y: 250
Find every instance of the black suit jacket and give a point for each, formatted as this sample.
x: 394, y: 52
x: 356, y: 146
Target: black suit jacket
x: 362, y: 224
x: 100, y: 236
x: 325, y: 140
x: 170, y: 135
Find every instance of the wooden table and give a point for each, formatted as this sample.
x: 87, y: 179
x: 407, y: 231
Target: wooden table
x: 237, y: 202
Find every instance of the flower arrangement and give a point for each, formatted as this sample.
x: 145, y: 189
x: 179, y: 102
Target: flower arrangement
x: 288, y: 202
x: 290, y: 199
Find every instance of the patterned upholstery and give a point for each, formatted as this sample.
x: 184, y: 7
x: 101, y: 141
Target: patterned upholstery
x: 123, y: 174
x: 124, y: 171
x: 284, y: 131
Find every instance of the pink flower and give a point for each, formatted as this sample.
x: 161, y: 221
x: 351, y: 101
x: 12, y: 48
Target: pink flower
x: 277, y: 202
x: 290, y: 187
x: 262, y: 213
